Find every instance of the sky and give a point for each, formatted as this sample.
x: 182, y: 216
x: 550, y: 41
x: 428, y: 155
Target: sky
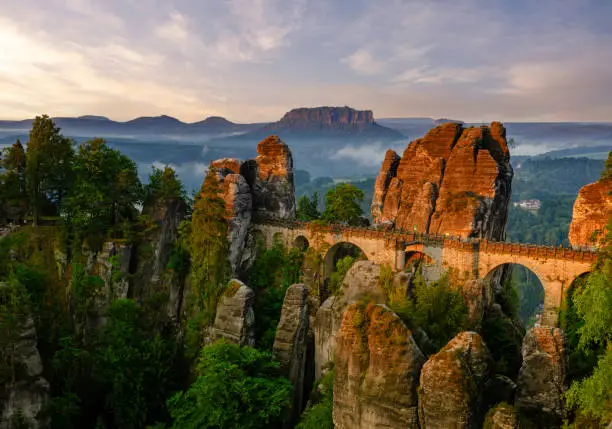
x: 253, y: 60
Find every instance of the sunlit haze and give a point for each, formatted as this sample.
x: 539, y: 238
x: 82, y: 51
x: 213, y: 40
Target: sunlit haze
x: 252, y: 60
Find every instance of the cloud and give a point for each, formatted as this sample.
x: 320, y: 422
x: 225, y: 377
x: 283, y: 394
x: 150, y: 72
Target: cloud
x: 363, y: 62
x: 175, y: 29
x: 370, y: 155
x: 252, y: 60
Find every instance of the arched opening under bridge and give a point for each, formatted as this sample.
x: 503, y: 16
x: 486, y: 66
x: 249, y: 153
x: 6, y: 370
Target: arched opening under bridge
x: 518, y: 291
x: 339, y: 258
x: 301, y: 243
x: 518, y: 304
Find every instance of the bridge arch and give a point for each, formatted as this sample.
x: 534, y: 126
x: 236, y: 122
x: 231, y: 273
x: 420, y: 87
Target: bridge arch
x: 301, y: 243
x: 526, y: 284
x: 338, y: 251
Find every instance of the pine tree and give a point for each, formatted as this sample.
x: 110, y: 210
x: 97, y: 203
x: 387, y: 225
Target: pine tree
x: 209, y: 245
x: 48, y: 170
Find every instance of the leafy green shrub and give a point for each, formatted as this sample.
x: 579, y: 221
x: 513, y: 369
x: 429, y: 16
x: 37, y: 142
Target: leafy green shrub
x: 436, y: 308
x: 236, y: 387
x: 272, y: 272
x: 319, y: 415
x: 337, y: 277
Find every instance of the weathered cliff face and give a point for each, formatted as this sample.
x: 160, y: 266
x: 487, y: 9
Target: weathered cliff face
x: 291, y: 344
x: 239, y: 205
x: 270, y: 176
x: 377, y: 365
x: 452, y: 384
x: 235, y: 319
x: 29, y: 393
x: 541, y: 381
x: 256, y: 189
x: 112, y: 265
x: 153, y: 254
x: 362, y: 279
x: 329, y: 117
x: 592, y: 211
x: 454, y: 180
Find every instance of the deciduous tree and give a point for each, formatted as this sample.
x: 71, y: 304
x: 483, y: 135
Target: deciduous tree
x: 342, y: 204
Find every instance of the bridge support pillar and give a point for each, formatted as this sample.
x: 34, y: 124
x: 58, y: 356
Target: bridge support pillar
x: 400, y: 259
x: 553, y: 295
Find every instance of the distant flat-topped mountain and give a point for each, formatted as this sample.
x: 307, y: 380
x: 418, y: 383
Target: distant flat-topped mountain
x: 326, y: 122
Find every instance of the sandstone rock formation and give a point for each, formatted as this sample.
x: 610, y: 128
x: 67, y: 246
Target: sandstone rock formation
x: 503, y: 416
x: 452, y: 384
x: 239, y: 205
x: 153, y: 253
x: 331, y: 122
x: 256, y: 189
x: 235, y: 319
x: 541, y: 379
x: 29, y: 393
x: 361, y: 280
x: 377, y: 364
x: 270, y: 177
x: 454, y: 180
x: 592, y: 211
x: 291, y: 343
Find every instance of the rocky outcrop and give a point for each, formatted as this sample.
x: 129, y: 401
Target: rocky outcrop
x: 235, y: 319
x: 257, y: 189
x: 541, y: 381
x: 362, y: 280
x: 329, y: 117
x: 153, y: 254
x: 387, y: 172
x: 452, y: 384
x: 238, y: 203
x: 377, y: 364
x: 270, y: 177
x: 27, y: 394
x: 291, y: 344
x: 455, y: 180
x: 592, y: 211
x: 503, y: 416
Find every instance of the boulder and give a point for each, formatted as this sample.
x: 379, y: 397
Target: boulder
x: 455, y: 180
x: 541, y: 381
x: 376, y: 372
x: 291, y: 344
x: 592, y: 211
x: 235, y: 319
x: 452, y: 384
x: 502, y: 416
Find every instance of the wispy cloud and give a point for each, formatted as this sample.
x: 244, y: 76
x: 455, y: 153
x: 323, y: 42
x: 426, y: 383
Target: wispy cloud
x: 252, y: 60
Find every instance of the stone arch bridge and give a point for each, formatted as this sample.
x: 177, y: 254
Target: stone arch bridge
x: 556, y: 267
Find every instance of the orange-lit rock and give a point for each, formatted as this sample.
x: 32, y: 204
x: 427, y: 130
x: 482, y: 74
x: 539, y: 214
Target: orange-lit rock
x: 541, y: 381
x: 452, y: 382
x: 454, y: 180
x: 592, y: 211
x: 377, y: 365
x: 270, y: 177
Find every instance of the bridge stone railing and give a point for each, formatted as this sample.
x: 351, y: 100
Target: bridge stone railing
x: 566, y: 252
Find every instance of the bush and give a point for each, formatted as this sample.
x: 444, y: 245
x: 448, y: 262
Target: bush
x: 236, y: 387
x: 436, y: 308
x: 270, y: 275
x: 319, y: 415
